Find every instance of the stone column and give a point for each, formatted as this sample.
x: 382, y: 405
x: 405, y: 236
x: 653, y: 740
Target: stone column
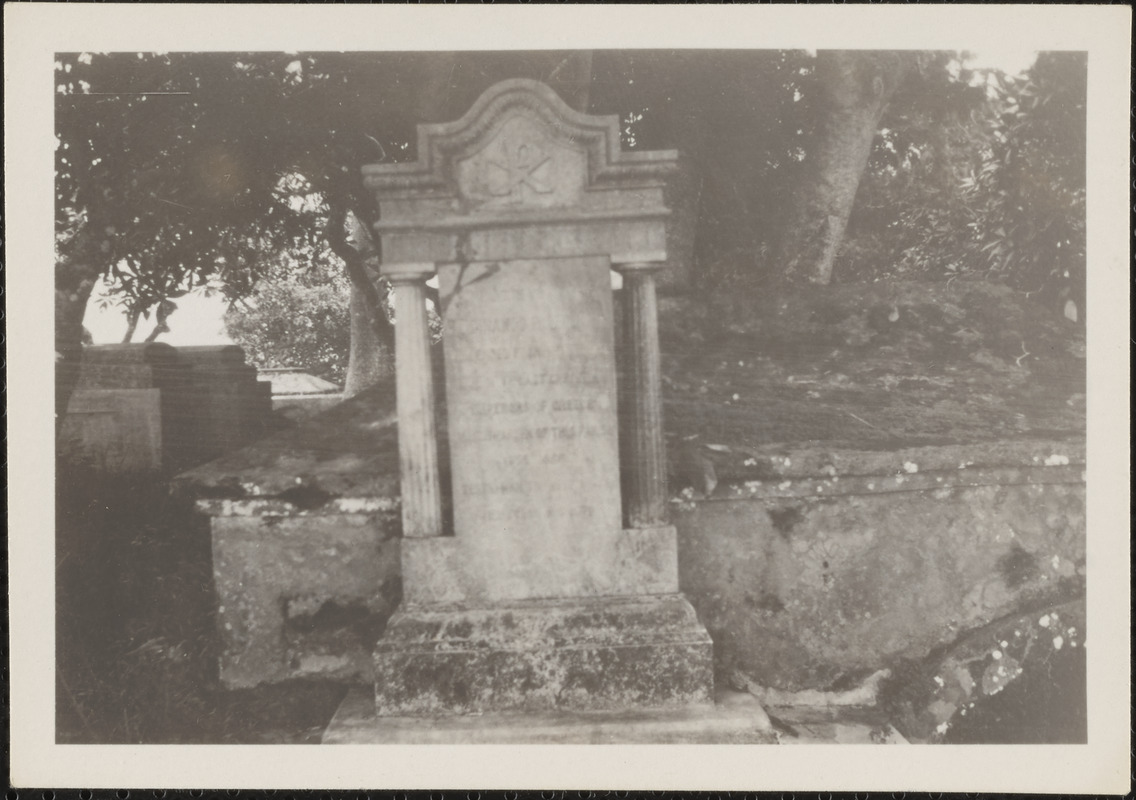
x: 417, y: 434
x: 647, y: 484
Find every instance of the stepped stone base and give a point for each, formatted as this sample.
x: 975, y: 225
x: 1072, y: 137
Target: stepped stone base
x: 601, y: 654
x: 734, y: 718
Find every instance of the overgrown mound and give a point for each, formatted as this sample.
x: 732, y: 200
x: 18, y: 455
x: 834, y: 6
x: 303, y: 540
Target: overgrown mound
x: 871, y: 366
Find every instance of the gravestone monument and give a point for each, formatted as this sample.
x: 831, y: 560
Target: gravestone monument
x: 554, y: 590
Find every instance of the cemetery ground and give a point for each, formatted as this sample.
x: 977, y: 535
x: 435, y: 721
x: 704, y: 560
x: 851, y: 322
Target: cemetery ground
x: 869, y: 367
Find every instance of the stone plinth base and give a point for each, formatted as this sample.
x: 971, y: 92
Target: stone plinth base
x: 602, y: 654
x: 734, y: 718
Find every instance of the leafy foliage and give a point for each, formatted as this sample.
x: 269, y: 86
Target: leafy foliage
x: 178, y: 169
x: 187, y: 167
x: 978, y: 174
x: 297, y: 316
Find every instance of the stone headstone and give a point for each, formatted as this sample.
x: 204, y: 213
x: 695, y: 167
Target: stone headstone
x: 149, y: 407
x: 235, y: 408
x: 540, y: 596
x: 130, y: 411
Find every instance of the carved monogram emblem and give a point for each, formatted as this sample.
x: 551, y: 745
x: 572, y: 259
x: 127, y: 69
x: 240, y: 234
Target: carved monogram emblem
x: 518, y: 169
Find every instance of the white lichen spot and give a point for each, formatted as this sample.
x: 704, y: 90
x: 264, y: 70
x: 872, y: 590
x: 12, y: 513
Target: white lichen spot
x: 899, y: 479
x: 871, y: 486
x: 1005, y: 645
x: 1057, y: 460
x: 1044, y: 621
x: 1058, y: 641
x: 940, y: 682
x: 784, y: 485
x: 910, y: 467
x: 997, y: 654
x: 750, y: 462
x: 736, y: 396
x: 943, y: 727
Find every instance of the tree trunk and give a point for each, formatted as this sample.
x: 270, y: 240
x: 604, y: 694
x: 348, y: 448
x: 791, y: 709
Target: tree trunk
x: 371, y: 359
x: 131, y: 325
x: 73, y: 285
x: 854, y: 87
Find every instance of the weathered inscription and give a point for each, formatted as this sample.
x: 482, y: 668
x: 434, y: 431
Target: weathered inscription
x: 530, y: 382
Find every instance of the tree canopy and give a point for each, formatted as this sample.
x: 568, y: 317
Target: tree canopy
x: 177, y: 169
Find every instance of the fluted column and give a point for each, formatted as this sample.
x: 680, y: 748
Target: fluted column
x: 646, y: 454
x: 417, y: 431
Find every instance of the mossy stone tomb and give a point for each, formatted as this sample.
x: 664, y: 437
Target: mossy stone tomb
x: 555, y: 588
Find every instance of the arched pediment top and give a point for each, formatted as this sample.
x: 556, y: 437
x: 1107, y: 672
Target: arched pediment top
x: 520, y: 143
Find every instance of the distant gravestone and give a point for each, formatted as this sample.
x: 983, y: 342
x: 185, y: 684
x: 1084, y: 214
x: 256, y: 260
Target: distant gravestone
x: 149, y: 407
x: 553, y: 589
x: 130, y: 410
x: 235, y: 408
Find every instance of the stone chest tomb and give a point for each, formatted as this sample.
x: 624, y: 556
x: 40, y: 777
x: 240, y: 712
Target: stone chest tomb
x: 555, y: 588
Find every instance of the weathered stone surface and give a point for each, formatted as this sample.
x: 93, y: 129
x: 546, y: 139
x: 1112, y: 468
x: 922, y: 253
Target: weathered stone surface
x: 649, y: 651
x: 113, y: 430
x: 207, y: 401
x: 531, y: 398
x: 232, y: 406
x: 151, y: 365
x: 803, y: 588
x: 734, y: 718
x: 305, y: 527
x: 436, y: 571
x: 301, y: 595
x: 132, y: 409
x: 540, y: 599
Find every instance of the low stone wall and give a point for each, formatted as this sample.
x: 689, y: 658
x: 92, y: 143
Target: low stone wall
x: 836, y: 566
x: 816, y: 582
